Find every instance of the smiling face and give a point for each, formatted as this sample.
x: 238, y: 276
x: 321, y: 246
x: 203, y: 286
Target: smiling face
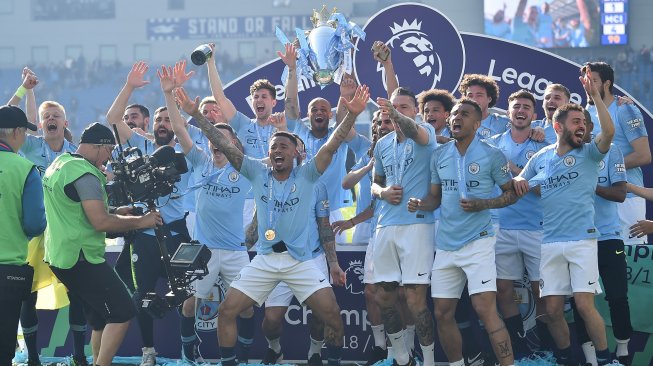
x: 464, y: 122
x: 553, y: 99
x: 522, y: 112
x: 572, y: 129
x: 263, y: 102
x: 163, y: 133
x: 135, y: 118
x: 53, y: 122
x: 319, y: 113
x: 435, y: 114
x: 384, y: 125
x: 282, y: 153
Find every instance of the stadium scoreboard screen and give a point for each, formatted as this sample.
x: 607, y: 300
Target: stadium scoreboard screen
x: 614, y: 18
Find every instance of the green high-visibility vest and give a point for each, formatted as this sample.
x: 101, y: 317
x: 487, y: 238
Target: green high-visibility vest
x: 13, y: 241
x: 69, y: 230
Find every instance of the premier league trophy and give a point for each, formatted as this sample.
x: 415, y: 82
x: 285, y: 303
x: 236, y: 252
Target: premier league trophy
x: 324, y: 52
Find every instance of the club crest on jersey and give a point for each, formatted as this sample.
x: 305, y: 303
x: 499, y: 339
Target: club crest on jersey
x: 601, y: 165
x: 233, y: 177
x: 427, y: 50
x: 569, y: 161
x: 473, y: 168
x: 293, y: 188
x: 529, y: 154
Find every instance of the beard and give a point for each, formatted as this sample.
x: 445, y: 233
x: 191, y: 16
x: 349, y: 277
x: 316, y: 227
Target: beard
x: 165, y: 139
x: 591, y: 101
x: 571, y: 139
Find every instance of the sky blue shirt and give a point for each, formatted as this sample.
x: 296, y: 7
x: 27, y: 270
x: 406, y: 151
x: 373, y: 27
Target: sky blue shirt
x: 568, y: 186
x: 337, y: 170
x: 492, y: 125
x: 320, y: 210
x: 415, y: 160
x: 199, y: 140
x: 292, y: 225
x: 220, y: 194
x: 483, y: 167
x: 629, y: 126
x: 37, y: 150
x: 365, y: 186
x: 550, y: 136
x: 611, y: 170
x: 171, y: 206
x: 253, y: 137
x: 526, y: 213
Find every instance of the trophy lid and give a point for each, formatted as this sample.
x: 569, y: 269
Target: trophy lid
x: 320, y: 18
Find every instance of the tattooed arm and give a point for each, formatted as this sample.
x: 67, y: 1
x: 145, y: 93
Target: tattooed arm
x: 355, y: 107
x: 217, y: 138
x: 507, y: 198
x: 328, y: 242
x: 251, y: 233
x: 408, y: 127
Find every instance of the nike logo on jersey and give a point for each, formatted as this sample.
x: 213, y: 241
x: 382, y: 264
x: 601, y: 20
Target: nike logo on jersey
x: 591, y: 283
x: 442, y: 166
x: 322, y: 280
x: 486, y: 281
x: 617, y: 252
x: 421, y: 274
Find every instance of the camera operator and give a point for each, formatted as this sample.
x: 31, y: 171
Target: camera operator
x: 147, y: 266
x: 74, y: 195
x: 20, y: 185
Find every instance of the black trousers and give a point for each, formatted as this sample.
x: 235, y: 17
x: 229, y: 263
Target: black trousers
x: 612, y: 269
x: 15, y: 286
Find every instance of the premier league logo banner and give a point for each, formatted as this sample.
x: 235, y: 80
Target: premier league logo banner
x: 429, y: 52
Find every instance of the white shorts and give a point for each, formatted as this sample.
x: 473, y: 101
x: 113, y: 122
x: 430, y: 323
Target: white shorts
x: 265, y: 271
x: 223, y: 263
x: 569, y: 266
x: 282, y: 296
x: 368, y: 266
x: 403, y: 253
x: 473, y: 263
x: 248, y: 212
x: 190, y: 223
x: 516, y: 250
x: 630, y: 211
x: 334, y: 216
x: 362, y: 233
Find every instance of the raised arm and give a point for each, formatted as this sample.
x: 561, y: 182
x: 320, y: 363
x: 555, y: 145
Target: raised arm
x: 176, y: 120
x: 291, y: 104
x: 116, y: 111
x: 408, y: 127
x: 26, y: 90
x: 217, y: 138
x: 348, y: 87
x: 603, y: 139
x: 228, y: 109
x: 355, y: 107
x: 354, y: 176
x: 391, y: 81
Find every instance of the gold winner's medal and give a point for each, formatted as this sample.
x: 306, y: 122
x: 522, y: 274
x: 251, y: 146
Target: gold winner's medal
x: 270, y: 234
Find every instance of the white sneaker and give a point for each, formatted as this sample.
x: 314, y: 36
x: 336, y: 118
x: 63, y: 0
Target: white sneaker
x: 149, y: 356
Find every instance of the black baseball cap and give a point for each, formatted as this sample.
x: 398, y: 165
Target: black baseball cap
x: 12, y: 117
x: 97, y: 134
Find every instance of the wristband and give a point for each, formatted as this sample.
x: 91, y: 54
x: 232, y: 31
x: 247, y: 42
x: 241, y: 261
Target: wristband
x: 20, y: 92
